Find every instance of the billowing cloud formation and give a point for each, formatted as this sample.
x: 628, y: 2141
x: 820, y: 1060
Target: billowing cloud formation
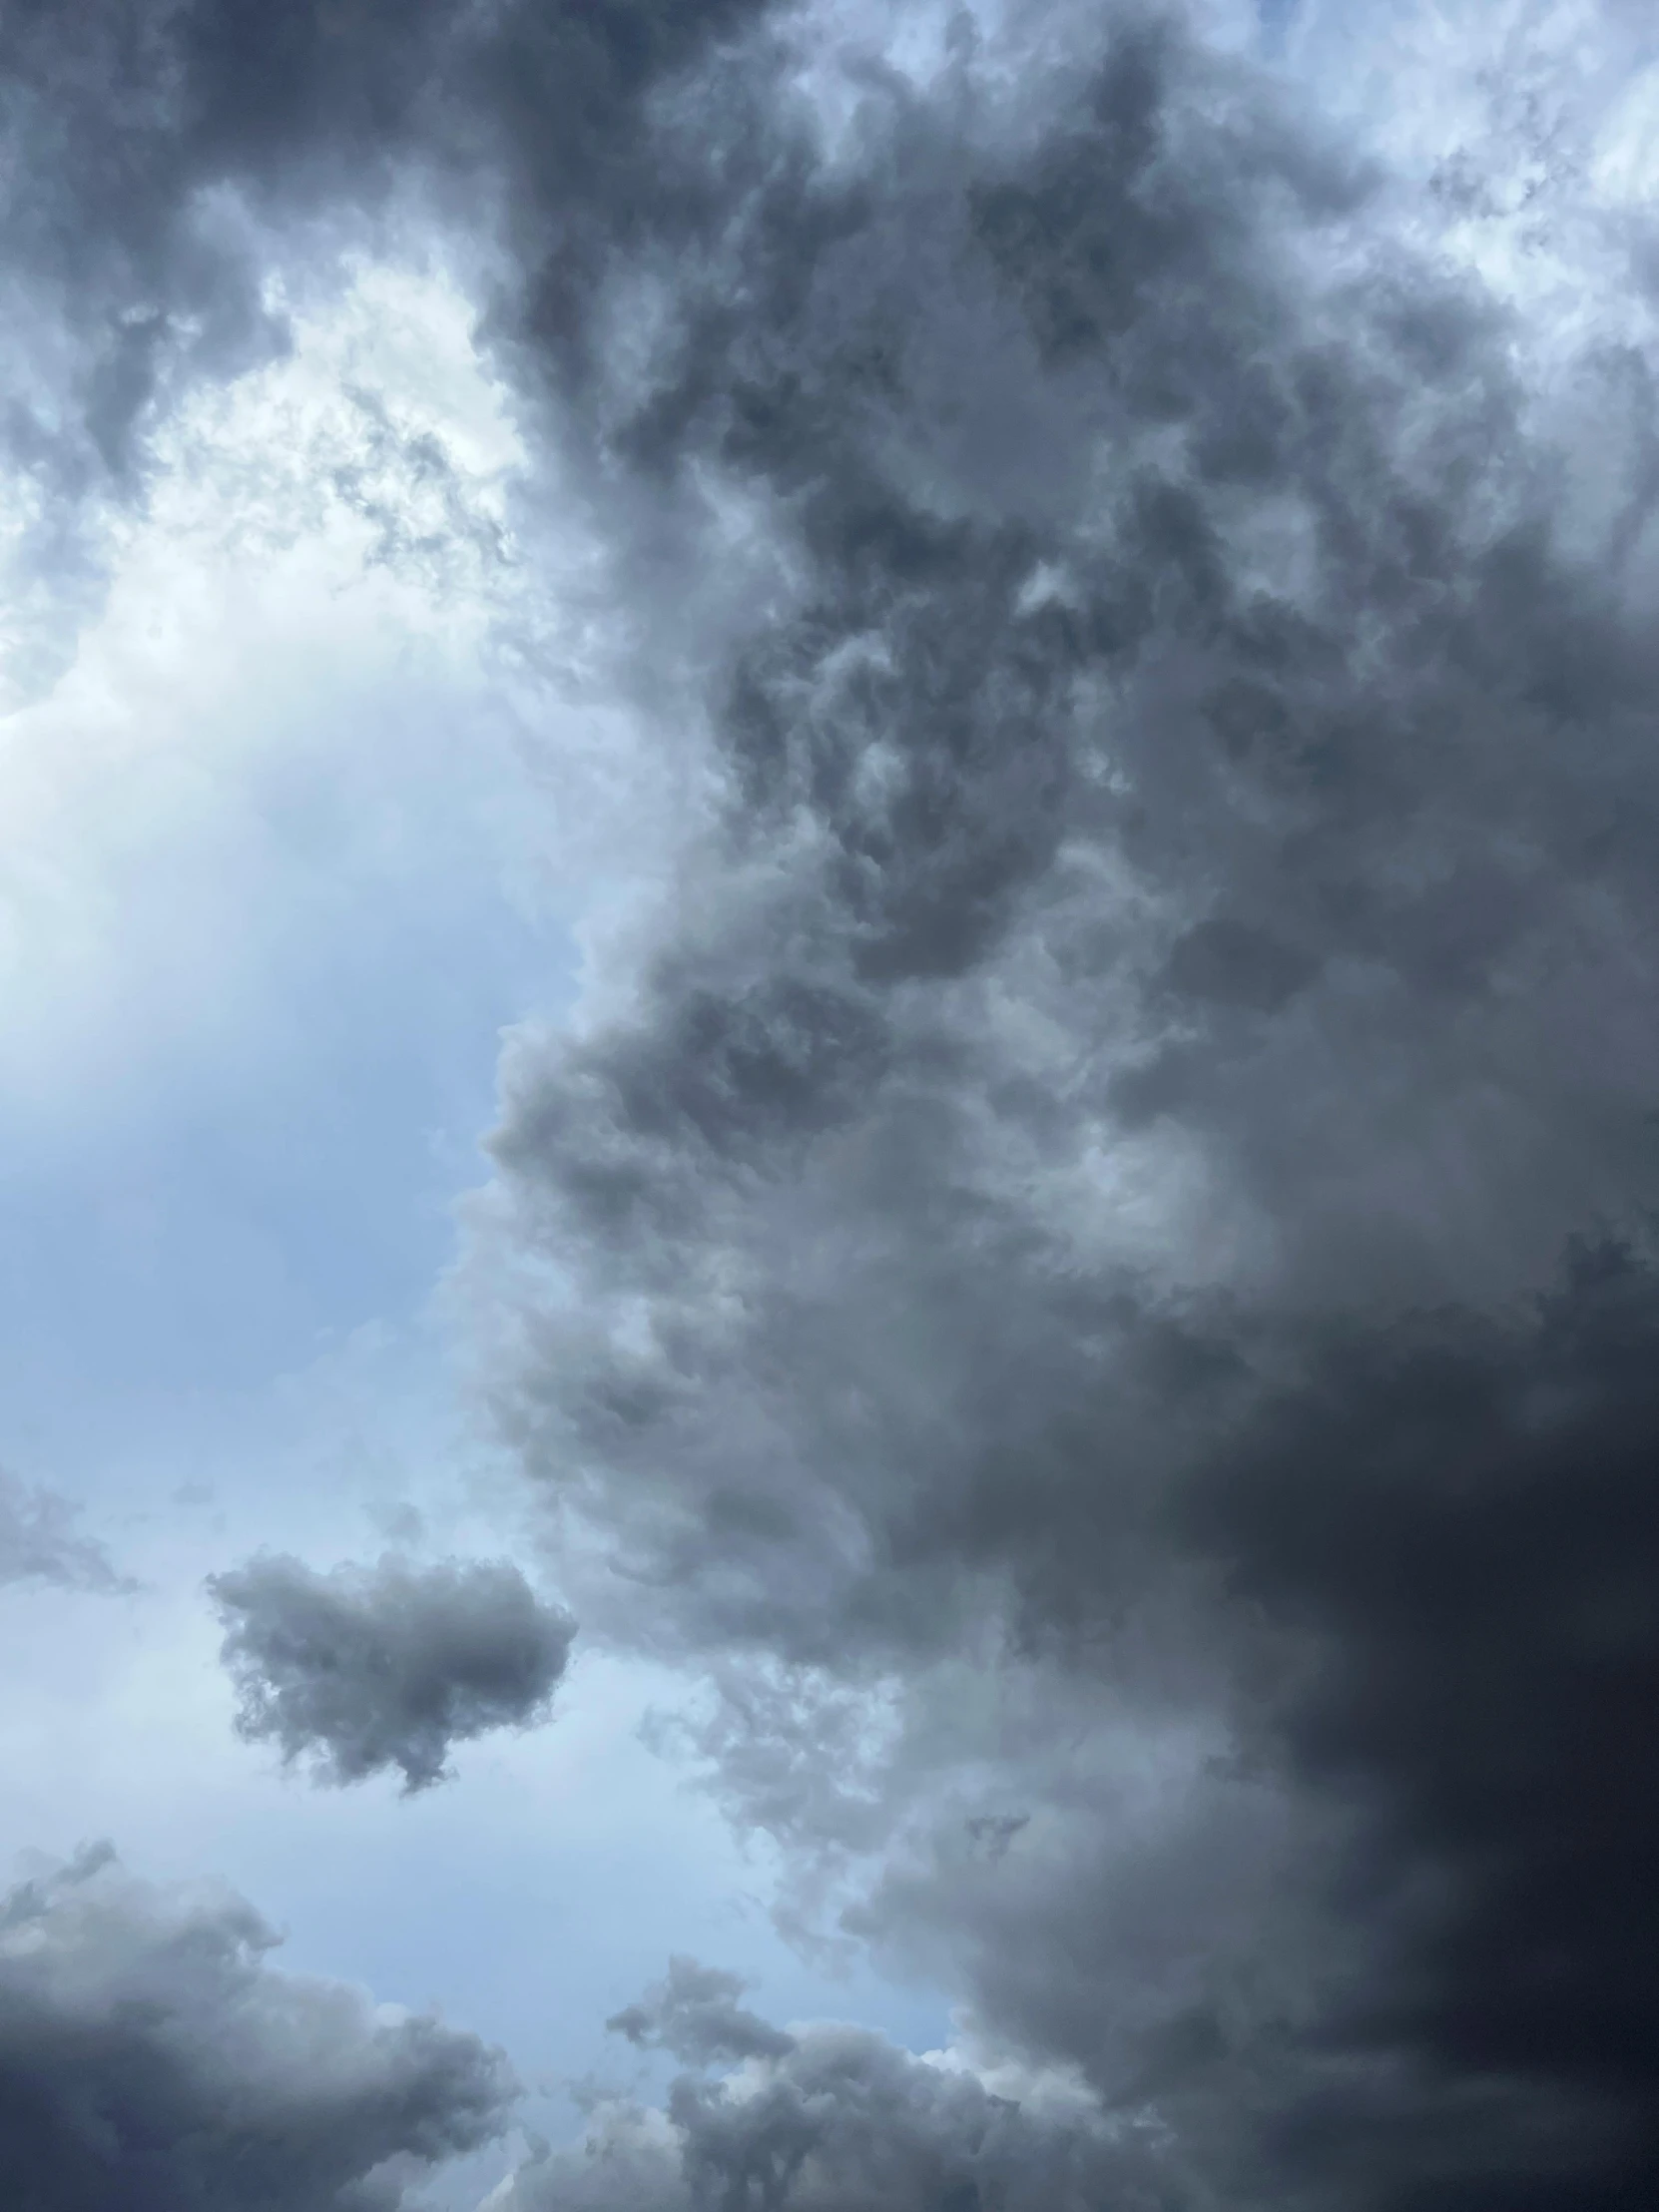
x: 1054, y: 1228
x: 151, y: 2059
x: 1380, y: 1930
x: 363, y: 1669
x: 836, y: 2119
x: 39, y: 1541
x: 1091, y: 1273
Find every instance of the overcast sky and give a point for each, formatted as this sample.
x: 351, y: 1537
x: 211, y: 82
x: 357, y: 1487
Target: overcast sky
x: 828, y: 1107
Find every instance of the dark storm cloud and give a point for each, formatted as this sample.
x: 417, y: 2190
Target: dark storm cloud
x: 1034, y: 1268
x: 1458, y: 1522
x: 1385, y: 1938
x: 1044, y: 1247
x: 151, y: 2059
x: 39, y: 1541
x: 1190, y: 826
x: 363, y: 1669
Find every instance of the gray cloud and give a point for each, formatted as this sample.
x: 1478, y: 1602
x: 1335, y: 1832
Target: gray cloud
x: 694, y: 2014
x: 364, y: 1669
x: 1060, y: 1319
x: 199, y: 108
x: 151, y: 2058
x: 161, y: 140
x: 1054, y: 1231
x: 835, y: 2119
x: 1176, y: 863
x: 163, y: 159
x: 39, y: 1541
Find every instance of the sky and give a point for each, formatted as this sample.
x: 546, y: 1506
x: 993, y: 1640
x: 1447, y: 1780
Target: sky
x: 828, y: 1107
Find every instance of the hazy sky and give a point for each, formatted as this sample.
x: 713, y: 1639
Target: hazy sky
x: 829, y: 1309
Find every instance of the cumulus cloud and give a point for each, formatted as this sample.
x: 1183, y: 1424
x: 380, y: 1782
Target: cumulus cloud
x: 833, y: 2119
x: 39, y: 1541
x: 364, y: 1669
x: 150, y: 2057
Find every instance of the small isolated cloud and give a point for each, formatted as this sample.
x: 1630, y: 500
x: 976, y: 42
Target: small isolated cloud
x: 694, y: 2013
x: 150, y: 2057
x: 363, y: 1669
x: 39, y: 1541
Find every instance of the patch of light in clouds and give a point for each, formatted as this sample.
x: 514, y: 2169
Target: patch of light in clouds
x: 281, y: 705
x: 277, y: 867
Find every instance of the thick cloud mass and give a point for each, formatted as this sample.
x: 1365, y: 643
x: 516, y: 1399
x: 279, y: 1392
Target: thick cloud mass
x: 1462, y: 1519
x: 366, y: 1669
x: 1090, y: 1271
x: 151, y: 2061
x: 1054, y: 1230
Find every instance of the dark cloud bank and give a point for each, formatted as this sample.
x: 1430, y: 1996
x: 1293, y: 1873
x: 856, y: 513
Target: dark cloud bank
x: 1108, y: 1296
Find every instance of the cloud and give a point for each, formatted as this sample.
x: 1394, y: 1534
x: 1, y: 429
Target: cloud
x: 1167, y: 858
x: 694, y: 2014
x: 1041, y: 1255
x: 177, y: 156
x: 150, y: 2057
x: 39, y: 1541
x: 1453, y: 1523
x: 195, y: 105
x: 364, y: 1669
x: 1087, y: 1271
x: 833, y: 2118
